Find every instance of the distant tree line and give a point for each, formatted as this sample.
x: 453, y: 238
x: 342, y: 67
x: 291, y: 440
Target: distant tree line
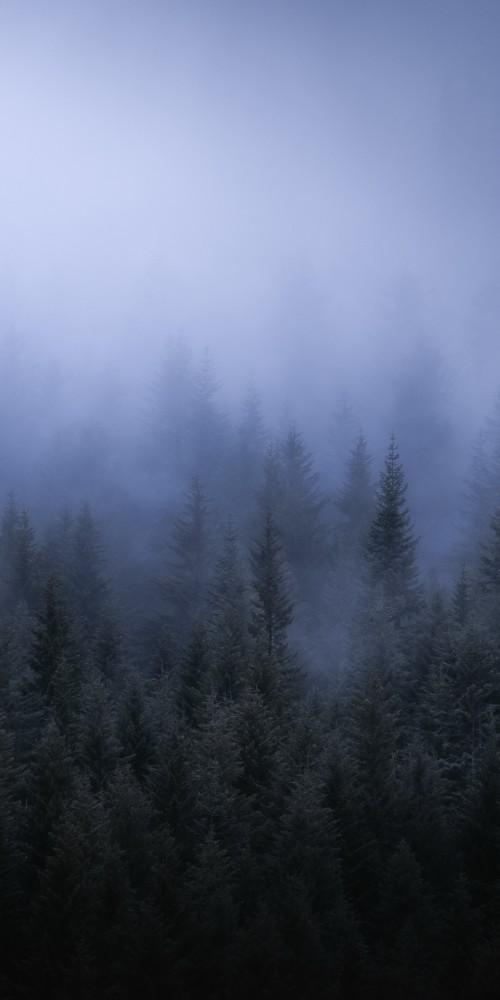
x: 245, y: 749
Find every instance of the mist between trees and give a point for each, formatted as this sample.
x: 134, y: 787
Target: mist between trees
x: 249, y: 718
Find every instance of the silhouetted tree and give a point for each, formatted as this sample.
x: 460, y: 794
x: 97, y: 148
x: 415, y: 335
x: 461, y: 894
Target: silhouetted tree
x: 228, y: 629
x: 271, y: 616
x: 356, y: 500
x: 87, y: 579
x: 186, y: 587
x: 391, y: 544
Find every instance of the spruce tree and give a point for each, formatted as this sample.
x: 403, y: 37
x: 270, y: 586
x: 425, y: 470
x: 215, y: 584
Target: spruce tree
x: 356, y: 500
x: 186, y: 587
x: 55, y: 658
x: 392, y: 544
x: 228, y: 639
x: 249, y: 450
x: 271, y: 616
x: 300, y: 525
x: 89, y: 586
x: 19, y: 558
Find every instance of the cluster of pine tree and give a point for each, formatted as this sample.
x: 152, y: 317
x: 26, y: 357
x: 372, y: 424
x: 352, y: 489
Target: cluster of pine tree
x: 278, y: 776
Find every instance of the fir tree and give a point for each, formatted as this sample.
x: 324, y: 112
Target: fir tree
x: 300, y: 526
x: 19, y: 558
x: 356, y: 500
x: 271, y: 615
x: 186, y: 587
x: 55, y: 659
x: 228, y: 639
x: 87, y: 579
x: 391, y: 544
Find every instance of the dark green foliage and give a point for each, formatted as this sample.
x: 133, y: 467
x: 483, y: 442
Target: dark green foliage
x: 49, y: 783
x: 79, y: 904
x: 55, y: 659
x: 228, y: 632
x: 169, y: 780
x: 96, y: 742
x: 19, y: 558
x: 300, y: 525
x: 490, y: 561
x: 271, y: 616
x: 405, y: 928
x: 392, y: 544
x: 134, y: 729
x: 193, y: 817
x: 481, y: 830
x: 186, y: 588
x: 87, y: 579
x: 12, y: 901
x: 474, y: 689
x: 195, y: 676
x: 249, y: 452
x: 108, y: 651
x: 374, y: 736
x: 461, y: 603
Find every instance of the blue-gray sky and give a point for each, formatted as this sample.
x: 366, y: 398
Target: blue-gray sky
x: 252, y: 172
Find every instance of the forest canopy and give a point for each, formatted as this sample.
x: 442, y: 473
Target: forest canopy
x: 248, y: 729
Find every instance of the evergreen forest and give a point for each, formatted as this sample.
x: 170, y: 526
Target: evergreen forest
x: 249, y: 694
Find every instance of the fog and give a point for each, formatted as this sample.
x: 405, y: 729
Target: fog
x: 258, y: 175
x: 249, y: 499
x: 308, y: 190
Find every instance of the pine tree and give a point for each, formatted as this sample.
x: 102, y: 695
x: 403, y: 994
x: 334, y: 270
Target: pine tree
x: 134, y: 729
x: 481, y: 826
x: 271, y: 494
x: 461, y: 602
x: 374, y: 732
x: 89, y: 586
x: 186, y: 587
x: 228, y: 639
x: 342, y: 432
x: 195, y: 676
x: 483, y: 484
x: 81, y: 903
x: 404, y: 922
x: 300, y: 527
x: 490, y: 560
x: 19, y: 559
x: 96, y: 743
x: 216, y: 768
x: 391, y: 544
x: 55, y: 659
x: 12, y: 902
x: 271, y: 616
x: 356, y: 500
x: 169, y: 781
x: 474, y: 682
x: 49, y: 784
x: 108, y: 653
x: 57, y: 552
x: 251, y: 443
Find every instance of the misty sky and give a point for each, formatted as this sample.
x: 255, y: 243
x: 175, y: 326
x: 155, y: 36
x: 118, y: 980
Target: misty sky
x: 254, y: 173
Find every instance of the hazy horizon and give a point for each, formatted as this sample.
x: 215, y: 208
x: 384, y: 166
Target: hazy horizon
x: 261, y: 176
